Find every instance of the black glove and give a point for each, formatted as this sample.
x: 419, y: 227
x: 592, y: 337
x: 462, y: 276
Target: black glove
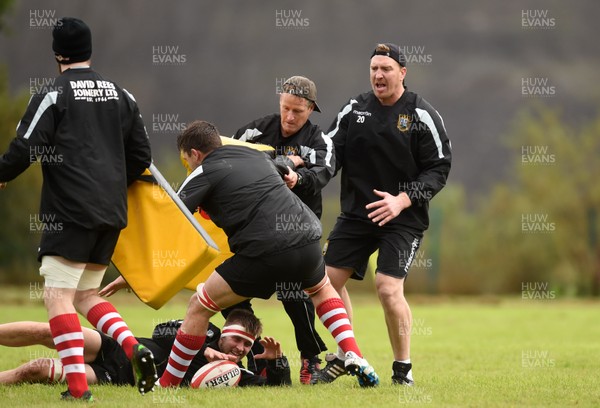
x: 282, y: 163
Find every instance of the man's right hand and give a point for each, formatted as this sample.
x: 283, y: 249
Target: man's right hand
x: 3, y: 185
x: 213, y: 355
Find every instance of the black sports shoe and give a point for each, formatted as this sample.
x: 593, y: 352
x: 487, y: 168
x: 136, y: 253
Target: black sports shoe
x: 333, y: 369
x: 144, y: 369
x: 67, y: 396
x: 309, y: 370
x: 401, y: 371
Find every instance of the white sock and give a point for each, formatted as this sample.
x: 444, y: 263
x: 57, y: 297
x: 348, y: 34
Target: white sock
x: 341, y: 355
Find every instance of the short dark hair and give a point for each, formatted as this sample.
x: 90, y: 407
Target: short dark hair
x: 199, y: 135
x: 246, y: 319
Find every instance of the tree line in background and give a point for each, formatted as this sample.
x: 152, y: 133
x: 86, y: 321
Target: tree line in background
x: 538, y: 230
x: 535, y: 233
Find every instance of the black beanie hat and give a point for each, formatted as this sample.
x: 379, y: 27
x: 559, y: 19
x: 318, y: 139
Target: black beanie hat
x: 72, y: 41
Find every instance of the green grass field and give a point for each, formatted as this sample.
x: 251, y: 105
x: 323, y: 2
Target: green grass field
x: 479, y: 352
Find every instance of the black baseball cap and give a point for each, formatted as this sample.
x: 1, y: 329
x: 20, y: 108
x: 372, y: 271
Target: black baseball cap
x: 392, y: 51
x: 302, y: 87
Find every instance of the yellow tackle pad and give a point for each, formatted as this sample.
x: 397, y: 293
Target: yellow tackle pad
x: 164, y: 248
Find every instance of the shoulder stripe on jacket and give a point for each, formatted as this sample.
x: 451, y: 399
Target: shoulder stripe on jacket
x: 250, y: 134
x: 199, y: 170
x: 129, y: 94
x: 48, y: 101
x: 345, y: 110
x: 426, y: 118
x: 329, y: 144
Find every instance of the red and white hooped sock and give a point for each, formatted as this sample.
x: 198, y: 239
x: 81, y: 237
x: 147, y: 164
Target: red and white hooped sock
x: 334, y: 317
x: 105, y: 318
x: 184, y: 349
x: 68, y: 339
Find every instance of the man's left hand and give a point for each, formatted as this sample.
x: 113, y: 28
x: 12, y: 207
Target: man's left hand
x: 3, y: 185
x: 115, y: 286
x: 291, y: 178
x: 388, y: 208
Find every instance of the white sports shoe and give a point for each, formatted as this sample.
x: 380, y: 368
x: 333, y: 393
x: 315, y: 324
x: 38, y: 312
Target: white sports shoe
x: 358, y: 366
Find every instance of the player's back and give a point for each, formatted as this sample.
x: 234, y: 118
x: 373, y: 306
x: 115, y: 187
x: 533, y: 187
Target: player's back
x: 242, y: 192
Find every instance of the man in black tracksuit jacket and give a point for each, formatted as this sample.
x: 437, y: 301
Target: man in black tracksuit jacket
x: 309, y: 153
x: 273, y: 224
x: 89, y: 138
x: 394, y: 155
x: 274, y: 238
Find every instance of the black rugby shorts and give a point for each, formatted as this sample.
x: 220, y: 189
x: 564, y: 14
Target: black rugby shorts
x: 297, y: 268
x: 79, y: 244
x: 352, y: 242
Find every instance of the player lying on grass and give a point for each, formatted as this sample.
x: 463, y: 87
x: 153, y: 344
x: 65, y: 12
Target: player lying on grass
x: 106, y: 362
